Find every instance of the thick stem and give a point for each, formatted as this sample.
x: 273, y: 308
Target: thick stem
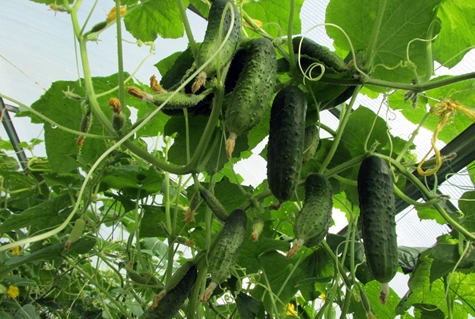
x: 339, y: 133
x: 186, y: 25
x: 373, y: 41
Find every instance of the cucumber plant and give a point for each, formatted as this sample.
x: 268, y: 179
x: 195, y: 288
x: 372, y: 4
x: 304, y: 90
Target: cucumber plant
x: 130, y: 159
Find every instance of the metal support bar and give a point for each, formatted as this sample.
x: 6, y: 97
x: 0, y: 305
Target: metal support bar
x: 12, y: 135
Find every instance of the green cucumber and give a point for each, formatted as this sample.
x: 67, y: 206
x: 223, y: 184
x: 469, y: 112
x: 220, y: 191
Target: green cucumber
x: 226, y: 251
x: 312, y: 139
x: 377, y: 211
x: 214, y: 205
x: 170, y: 303
x: 253, y: 92
x: 313, y: 221
x: 213, y: 40
x: 318, y: 52
x: 286, y: 142
x: 257, y: 228
x: 76, y: 232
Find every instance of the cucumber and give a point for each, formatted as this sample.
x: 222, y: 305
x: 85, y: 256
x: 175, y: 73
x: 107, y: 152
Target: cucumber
x: 76, y: 233
x: 118, y: 121
x: 226, y: 251
x: 173, y: 79
x: 286, y: 142
x: 313, y: 220
x: 169, y: 305
x: 214, y: 205
x: 318, y: 52
x: 253, y: 92
x: 312, y: 139
x: 377, y: 211
x: 257, y: 228
x: 213, y: 40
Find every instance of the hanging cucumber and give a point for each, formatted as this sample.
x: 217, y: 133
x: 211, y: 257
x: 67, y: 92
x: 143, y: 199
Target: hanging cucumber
x: 253, y: 92
x: 313, y: 220
x: 310, y: 145
x: 226, y: 251
x: 318, y: 52
x: 377, y: 209
x: 76, y: 233
x: 286, y: 142
x: 172, y: 301
x: 214, y: 205
x: 214, y: 38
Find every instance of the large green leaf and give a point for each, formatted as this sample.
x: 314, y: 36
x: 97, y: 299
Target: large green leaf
x: 402, y: 22
x: 456, y: 17
x: 359, y: 126
x: 422, y: 291
x: 149, y: 19
x: 41, y: 216
x: 275, y: 11
x: 61, y: 146
x: 278, y: 277
x: 466, y: 206
x: 134, y: 181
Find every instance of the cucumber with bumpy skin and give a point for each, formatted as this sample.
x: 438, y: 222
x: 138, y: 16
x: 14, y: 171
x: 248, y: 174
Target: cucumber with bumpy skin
x: 214, y: 205
x: 253, y: 92
x: 377, y: 211
x: 169, y: 305
x: 312, y: 139
x: 226, y: 251
x: 286, y: 142
x: 213, y: 40
x: 313, y: 220
x: 314, y: 50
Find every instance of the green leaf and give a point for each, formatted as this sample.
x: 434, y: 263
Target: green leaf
x: 61, y: 146
x: 82, y: 246
x: 372, y: 290
x: 465, y: 204
x: 422, y: 291
x: 277, y: 270
x: 5, y: 315
x: 150, y: 19
x: 359, y: 126
x: 44, y: 215
x: 27, y: 311
x: 456, y: 17
x: 427, y: 311
x: 247, y: 306
x: 402, y: 22
x: 152, y: 221
x: 134, y: 181
x: 275, y: 11
x: 408, y: 257
x: 429, y: 213
x: 318, y: 268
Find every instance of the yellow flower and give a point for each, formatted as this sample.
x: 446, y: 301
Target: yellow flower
x: 291, y: 310
x: 322, y: 296
x: 13, y: 292
x: 112, y: 14
x: 16, y: 250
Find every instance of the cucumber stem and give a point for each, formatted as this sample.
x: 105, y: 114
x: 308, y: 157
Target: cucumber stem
x: 384, y: 293
x: 295, y: 248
